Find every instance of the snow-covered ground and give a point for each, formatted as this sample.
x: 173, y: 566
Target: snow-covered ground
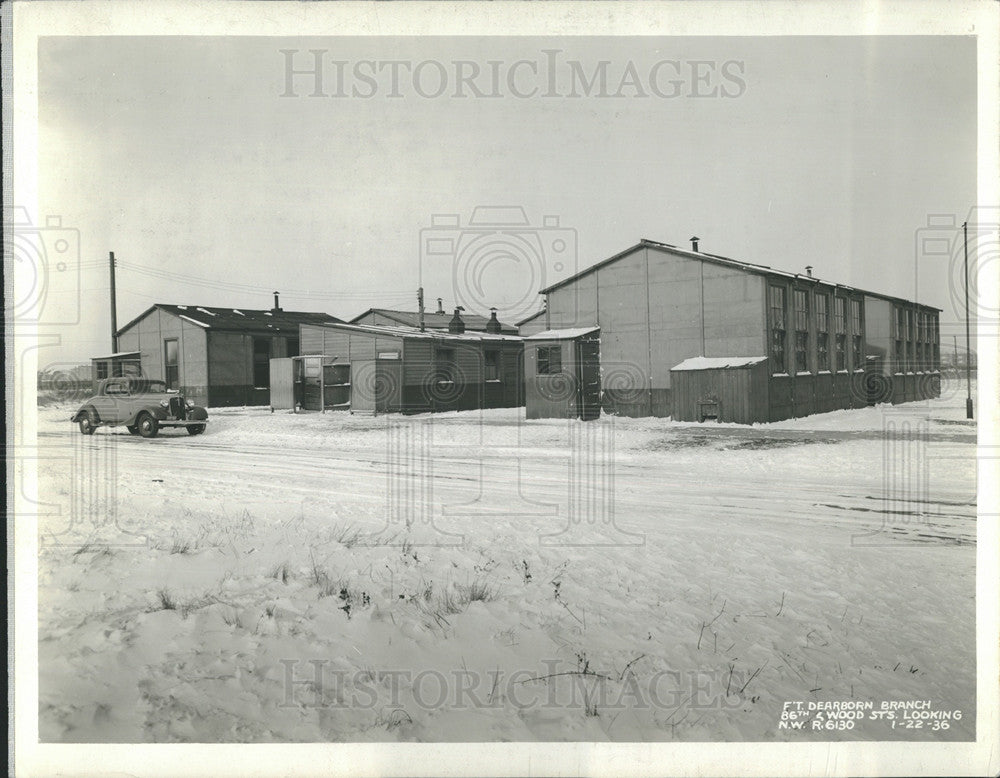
x: 477, y: 577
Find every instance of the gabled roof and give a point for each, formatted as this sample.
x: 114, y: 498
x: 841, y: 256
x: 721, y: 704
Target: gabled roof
x: 716, y: 259
x: 434, y: 321
x: 237, y: 319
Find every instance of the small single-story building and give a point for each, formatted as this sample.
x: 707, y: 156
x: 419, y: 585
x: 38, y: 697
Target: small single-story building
x: 405, y: 369
x: 729, y: 389
x: 562, y: 374
x: 215, y: 356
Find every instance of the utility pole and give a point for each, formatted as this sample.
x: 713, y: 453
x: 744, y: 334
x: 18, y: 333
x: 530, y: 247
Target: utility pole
x: 114, y: 304
x: 420, y: 306
x: 954, y: 357
x: 968, y: 340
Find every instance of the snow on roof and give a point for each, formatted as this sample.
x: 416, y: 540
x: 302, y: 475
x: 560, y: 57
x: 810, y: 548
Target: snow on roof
x: 205, y: 310
x: 194, y: 321
x: 118, y: 354
x: 562, y: 334
x: 237, y: 310
x: 716, y: 363
x: 429, y: 334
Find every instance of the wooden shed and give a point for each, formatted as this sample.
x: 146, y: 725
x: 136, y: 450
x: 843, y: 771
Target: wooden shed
x: 408, y: 370
x: 562, y: 374
x: 732, y: 389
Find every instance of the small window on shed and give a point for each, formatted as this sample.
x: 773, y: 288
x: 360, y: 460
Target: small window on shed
x: 549, y: 360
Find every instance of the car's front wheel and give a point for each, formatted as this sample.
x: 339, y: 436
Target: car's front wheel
x: 88, y: 422
x: 132, y: 429
x: 196, y: 429
x: 147, y: 425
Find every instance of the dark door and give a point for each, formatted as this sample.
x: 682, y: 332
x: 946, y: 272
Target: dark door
x: 588, y: 374
x: 877, y: 386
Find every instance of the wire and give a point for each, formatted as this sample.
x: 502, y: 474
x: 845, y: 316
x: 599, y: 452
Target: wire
x: 150, y: 272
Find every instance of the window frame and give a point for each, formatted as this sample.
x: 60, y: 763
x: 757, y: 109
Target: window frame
x: 777, y: 326
x: 840, y: 333
x: 800, y: 320
x: 173, y: 381
x: 857, y: 312
x: 823, y: 357
x: 544, y: 361
x: 491, y: 355
x: 261, y: 364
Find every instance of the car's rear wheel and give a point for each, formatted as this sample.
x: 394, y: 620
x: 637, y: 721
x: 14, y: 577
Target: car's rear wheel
x: 196, y: 429
x: 147, y: 425
x: 88, y: 422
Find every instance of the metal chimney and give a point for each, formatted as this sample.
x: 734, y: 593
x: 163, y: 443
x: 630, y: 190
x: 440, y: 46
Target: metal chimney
x: 694, y: 243
x: 440, y: 307
x: 809, y: 270
x: 276, y: 307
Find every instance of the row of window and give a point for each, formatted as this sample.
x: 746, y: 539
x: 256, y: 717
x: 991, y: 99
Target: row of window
x: 825, y: 358
x: 840, y: 334
x: 916, y: 346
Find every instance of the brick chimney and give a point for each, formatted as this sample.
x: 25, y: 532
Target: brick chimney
x: 694, y: 243
x: 493, y: 325
x: 456, y: 326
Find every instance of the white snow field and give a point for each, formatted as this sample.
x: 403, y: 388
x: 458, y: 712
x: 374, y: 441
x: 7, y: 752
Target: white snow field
x: 477, y: 577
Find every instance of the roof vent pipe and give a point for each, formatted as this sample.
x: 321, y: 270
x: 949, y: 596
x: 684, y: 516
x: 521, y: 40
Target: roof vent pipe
x: 276, y: 306
x: 809, y: 270
x: 440, y: 307
x: 694, y: 243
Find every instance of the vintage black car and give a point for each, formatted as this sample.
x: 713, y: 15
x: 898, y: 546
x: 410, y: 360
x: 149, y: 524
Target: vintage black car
x: 143, y: 405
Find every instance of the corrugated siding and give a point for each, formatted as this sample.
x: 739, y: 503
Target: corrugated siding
x: 741, y: 393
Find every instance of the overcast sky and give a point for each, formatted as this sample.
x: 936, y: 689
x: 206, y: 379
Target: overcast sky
x: 213, y: 185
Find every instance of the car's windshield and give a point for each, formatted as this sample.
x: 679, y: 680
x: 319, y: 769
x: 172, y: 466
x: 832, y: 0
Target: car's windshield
x: 146, y: 386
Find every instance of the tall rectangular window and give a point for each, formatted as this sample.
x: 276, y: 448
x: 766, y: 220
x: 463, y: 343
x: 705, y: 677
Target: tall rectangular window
x: 857, y: 335
x: 491, y: 365
x: 261, y: 363
x: 171, y: 363
x: 776, y: 316
x: 801, y: 300
x: 822, y: 332
x: 935, y: 341
x: 899, y: 341
x: 549, y: 360
x: 840, y: 331
x: 910, y: 345
x: 102, y: 370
